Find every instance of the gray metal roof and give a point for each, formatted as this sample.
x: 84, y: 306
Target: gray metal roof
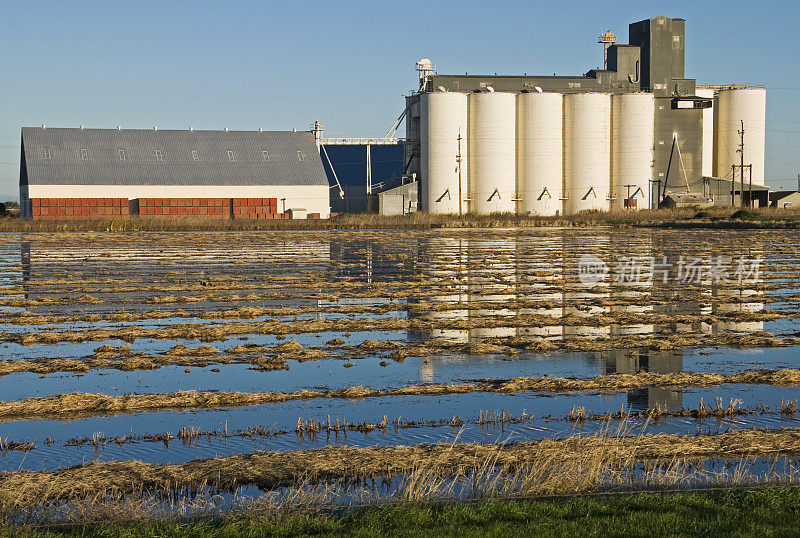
x: 166, y: 157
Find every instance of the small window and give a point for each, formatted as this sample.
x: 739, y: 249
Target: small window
x: 85, y: 156
x: 123, y: 155
x: 159, y: 153
x: 265, y: 156
x: 231, y: 156
x: 301, y: 156
x: 46, y: 154
x: 195, y: 155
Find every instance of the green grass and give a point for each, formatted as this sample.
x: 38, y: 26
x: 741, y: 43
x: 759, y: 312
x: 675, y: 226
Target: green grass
x: 746, y: 512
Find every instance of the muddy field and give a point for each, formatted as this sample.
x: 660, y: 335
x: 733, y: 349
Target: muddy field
x: 142, y: 352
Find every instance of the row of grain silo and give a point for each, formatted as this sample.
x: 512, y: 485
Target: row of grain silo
x: 535, y: 153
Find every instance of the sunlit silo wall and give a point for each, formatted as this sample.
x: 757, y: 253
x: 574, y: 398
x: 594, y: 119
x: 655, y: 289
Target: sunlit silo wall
x: 733, y: 107
x: 492, y: 152
x: 587, y: 151
x: 708, y: 133
x: 539, y: 153
x: 631, y: 150
x: 443, y: 116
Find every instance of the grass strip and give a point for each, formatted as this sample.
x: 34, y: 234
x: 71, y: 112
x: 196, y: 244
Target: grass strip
x: 689, y: 217
x: 767, y: 511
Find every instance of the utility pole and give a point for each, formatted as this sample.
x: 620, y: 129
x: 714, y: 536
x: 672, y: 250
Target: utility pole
x: 733, y: 183
x: 458, y: 162
x: 657, y: 184
x: 741, y: 164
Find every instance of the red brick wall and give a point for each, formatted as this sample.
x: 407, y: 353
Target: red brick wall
x: 109, y: 208
x: 255, y: 209
x: 211, y: 208
x: 79, y: 208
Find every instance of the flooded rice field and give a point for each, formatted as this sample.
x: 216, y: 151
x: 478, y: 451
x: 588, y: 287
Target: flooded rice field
x: 169, y: 347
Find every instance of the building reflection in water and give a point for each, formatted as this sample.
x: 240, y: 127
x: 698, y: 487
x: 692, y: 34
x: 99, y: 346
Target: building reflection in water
x: 476, y: 285
x: 526, y: 270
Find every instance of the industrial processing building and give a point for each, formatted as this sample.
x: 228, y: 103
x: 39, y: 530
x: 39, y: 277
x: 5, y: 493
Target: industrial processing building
x: 241, y: 174
x: 626, y: 136
x: 636, y: 134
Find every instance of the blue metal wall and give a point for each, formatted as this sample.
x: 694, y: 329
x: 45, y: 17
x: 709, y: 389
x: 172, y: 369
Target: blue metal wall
x: 350, y: 163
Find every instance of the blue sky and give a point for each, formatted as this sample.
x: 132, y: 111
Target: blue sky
x: 282, y: 65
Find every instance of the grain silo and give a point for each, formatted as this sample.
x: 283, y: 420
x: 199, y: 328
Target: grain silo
x: 492, y: 152
x: 443, y: 139
x: 587, y: 151
x: 539, y: 153
x: 631, y: 150
x: 737, y: 107
x: 663, y: 137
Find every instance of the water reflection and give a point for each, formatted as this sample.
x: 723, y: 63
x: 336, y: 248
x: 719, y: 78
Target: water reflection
x: 521, y: 276
x: 622, y: 361
x: 462, y: 286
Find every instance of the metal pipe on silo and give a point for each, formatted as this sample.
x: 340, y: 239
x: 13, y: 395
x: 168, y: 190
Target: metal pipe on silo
x: 632, y: 124
x: 539, y: 153
x: 491, y: 152
x: 587, y: 151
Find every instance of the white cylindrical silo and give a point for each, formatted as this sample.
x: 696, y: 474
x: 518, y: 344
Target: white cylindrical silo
x: 443, y: 118
x: 587, y: 151
x: 734, y: 106
x: 539, y: 153
x: 492, y: 152
x: 708, y: 134
x: 631, y: 150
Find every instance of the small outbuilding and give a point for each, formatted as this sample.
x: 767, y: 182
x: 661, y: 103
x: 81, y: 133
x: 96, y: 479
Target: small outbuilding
x: 784, y: 199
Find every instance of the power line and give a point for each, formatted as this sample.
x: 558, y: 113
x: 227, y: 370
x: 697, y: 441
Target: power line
x: 781, y: 160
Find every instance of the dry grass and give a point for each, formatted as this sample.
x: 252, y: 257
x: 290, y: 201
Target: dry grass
x: 554, y: 466
x: 263, y: 358
x: 84, y: 404
x: 715, y: 217
x: 667, y: 339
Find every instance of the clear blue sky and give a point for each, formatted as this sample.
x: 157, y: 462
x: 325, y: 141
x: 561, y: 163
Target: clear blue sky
x: 282, y: 65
